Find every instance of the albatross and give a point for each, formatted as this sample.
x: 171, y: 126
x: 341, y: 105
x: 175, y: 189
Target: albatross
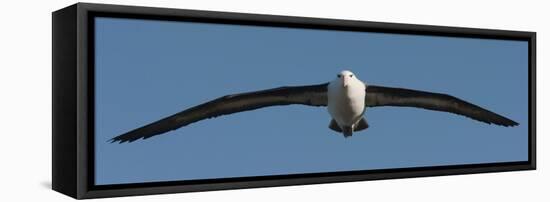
x: 346, y: 98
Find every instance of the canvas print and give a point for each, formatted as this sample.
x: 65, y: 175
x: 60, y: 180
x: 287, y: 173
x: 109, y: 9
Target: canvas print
x: 177, y: 101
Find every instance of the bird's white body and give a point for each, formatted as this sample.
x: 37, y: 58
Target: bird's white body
x: 346, y: 99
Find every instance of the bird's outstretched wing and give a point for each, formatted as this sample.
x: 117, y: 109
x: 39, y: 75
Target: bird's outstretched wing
x: 400, y: 97
x: 314, y: 95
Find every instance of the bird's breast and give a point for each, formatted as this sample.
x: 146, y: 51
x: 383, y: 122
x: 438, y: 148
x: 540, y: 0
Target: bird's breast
x: 346, y: 105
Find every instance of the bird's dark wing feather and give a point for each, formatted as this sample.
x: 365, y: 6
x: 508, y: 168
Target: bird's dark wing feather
x: 387, y: 96
x: 314, y: 95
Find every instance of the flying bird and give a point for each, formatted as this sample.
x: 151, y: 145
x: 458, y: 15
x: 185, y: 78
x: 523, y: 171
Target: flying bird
x: 346, y: 98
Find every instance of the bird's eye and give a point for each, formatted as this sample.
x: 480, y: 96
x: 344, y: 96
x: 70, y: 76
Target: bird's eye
x: 351, y: 75
x: 339, y: 75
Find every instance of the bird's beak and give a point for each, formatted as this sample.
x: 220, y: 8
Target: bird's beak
x: 345, y: 81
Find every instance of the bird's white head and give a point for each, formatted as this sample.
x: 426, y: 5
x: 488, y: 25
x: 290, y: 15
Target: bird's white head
x: 345, y: 78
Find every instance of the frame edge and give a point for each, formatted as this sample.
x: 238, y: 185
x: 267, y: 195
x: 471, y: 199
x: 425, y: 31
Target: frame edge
x: 64, y: 101
x: 533, y: 99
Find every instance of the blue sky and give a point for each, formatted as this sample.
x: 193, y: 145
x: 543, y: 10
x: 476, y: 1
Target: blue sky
x: 147, y: 70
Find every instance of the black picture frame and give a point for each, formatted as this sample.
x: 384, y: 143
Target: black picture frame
x: 73, y: 100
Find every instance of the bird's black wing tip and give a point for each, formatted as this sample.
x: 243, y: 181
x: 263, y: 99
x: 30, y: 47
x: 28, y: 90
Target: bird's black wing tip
x: 507, y: 123
x: 513, y: 124
x: 113, y: 140
x: 119, y: 140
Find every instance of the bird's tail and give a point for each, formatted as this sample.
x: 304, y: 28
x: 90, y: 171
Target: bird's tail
x: 348, y: 131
